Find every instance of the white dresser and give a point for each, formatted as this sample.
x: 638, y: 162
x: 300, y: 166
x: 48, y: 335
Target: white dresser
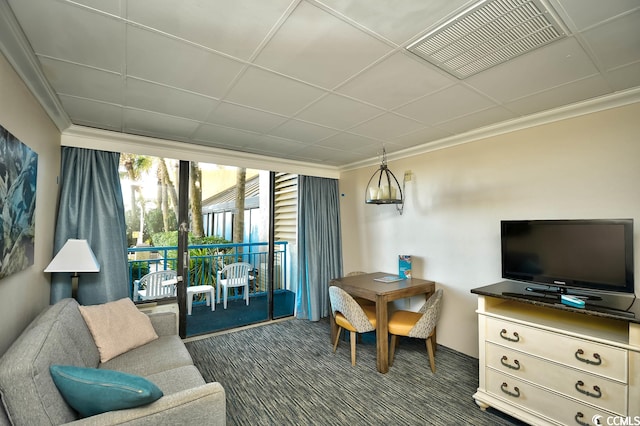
x: 548, y: 364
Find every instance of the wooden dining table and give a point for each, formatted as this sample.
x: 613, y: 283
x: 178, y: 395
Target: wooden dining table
x: 381, y: 293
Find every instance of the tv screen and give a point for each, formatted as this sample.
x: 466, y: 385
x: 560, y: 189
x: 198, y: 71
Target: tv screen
x: 588, y: 254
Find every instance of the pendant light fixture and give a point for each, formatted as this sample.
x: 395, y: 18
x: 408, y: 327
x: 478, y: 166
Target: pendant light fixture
x: 384, y: 188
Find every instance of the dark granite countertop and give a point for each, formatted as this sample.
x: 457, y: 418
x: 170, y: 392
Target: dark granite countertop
x: 622, y: 307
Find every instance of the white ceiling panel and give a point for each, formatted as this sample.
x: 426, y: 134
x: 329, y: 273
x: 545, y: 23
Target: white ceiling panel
x: 321, y: 81
x: 338, y: 112
x: 326, y: 51
x: 101, y: 44
x: 272, y: 92
x: 237, y: 116
x: 167, y: 100
x: 302, y: 131
x: 616, y: 43
x: 147, y: 123
x: 77, y: 80
x: 452, y: 102
x: 84, y: 112
x: 175, y: 63
x: 207, y: 22
x: 396, y: 80
x: 531, y: 73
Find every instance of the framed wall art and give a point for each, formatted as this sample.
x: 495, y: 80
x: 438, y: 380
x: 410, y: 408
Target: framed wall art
x: 18, y: 173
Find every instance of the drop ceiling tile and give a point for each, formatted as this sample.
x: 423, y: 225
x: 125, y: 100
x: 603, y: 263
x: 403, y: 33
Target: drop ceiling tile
x: 338, y: 112
x: 397, y: 21
x: 93, y: 114
x: 113, y: 7
x: 302, y: 131
x: 563, y: 95
x: 420, y: 137
x: 76, y: 80
x: 395, y: 81
x: 326, y: 156
x: 555, y: 64
x: 449, y: 103
x: 273, y: 146
x: 585, y: 13
x: 272, y: 92
x: 166, y: 100
x: 223, y: 137
x: 237, y: 116
x: 624, y: 77
x: 72, y: 33
x: 232, y: 27
x: 315, y: 46
x: 152, y: 56
x: 386, y: 126
x: 349, y: 141
x: 163, y: 126
x: 617, y: 42
x: 477, y: 120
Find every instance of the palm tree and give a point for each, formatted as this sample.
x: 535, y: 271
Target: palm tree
x: 135, y: 167
x: 166, y: 192
x: 195, y: 196
x: 238, y: 217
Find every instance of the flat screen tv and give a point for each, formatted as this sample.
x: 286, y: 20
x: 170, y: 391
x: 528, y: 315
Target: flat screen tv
x: 578, y: 254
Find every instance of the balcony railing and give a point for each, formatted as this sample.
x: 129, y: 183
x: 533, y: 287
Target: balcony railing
x: 207, y: 259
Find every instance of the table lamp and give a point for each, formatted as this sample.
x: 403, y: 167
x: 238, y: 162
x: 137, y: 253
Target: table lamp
x: 75, y: 256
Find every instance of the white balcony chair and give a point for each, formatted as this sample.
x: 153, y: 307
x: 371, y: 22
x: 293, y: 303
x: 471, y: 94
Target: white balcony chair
x: 236, y: 275
x: 157, y: 285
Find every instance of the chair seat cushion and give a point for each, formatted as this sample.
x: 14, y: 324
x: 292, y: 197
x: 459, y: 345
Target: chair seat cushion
x: 369, y: 310
x: 92, y: 391
x: 401, y: 322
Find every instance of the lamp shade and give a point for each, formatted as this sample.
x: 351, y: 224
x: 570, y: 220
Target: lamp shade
x: 75, y: 256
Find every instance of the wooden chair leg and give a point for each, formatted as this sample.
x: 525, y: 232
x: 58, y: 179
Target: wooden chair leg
x: 435, y: 345
x: 392, y: 348
x: 335, y: 344
x: 432, y: 361
x: 353, y: 348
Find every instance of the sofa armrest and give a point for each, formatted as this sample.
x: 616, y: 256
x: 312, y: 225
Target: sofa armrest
x: 164, y: 323
x: 204, y: 404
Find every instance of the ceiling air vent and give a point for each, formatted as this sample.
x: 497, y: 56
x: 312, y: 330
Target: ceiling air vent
x: 487, y: 34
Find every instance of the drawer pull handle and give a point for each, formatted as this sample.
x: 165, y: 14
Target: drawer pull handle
x: 597, y: 361
x: 515, y: 338
x: 505, y: 361
x: 578, y: 418
x: 515, y: 393
x: 596, y: 388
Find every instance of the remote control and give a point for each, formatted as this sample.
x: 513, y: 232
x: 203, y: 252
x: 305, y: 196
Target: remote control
x: 572, y: 301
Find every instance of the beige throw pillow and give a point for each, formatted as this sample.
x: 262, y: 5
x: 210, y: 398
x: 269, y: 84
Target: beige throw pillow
x: 117, y: 327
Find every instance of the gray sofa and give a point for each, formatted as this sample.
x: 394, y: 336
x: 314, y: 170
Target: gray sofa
x: 60, y: 336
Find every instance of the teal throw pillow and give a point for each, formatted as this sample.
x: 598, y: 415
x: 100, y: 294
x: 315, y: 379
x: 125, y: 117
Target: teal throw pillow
x: 92, y: 391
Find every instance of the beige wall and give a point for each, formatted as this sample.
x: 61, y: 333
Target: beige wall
x: 25, y: 294
x: 584, y: 167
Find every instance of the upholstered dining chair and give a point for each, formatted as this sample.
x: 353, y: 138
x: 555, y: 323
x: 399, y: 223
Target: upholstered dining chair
x: 349, y: 315
x: 421, y: 325
x: 235, y: 275
x: 155, y: 285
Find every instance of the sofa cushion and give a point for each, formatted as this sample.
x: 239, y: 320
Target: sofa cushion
x: 164, y: 353
x: 177, y: 379
x: 117, y: 327
x: 91, y: 391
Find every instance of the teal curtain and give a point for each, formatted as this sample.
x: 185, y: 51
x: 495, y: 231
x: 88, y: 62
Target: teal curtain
x: 91, y: 208
x: 319, y: 245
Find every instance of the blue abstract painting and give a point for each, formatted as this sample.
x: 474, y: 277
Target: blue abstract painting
x: 18, y: 173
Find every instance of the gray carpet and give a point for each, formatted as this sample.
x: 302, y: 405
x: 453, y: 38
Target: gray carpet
x: 286, y: 374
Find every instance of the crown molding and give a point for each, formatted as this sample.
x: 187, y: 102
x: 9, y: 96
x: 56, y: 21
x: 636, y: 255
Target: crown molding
x: 90, y: 138
x: 602, y: 103
x: 16, y: 48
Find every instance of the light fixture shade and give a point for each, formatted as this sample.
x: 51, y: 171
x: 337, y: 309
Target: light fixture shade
x: 75, y: 256
x: 384, y: 188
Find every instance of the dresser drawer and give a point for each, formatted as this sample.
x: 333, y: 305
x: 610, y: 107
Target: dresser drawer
x: 595, y: 390
x: 536, y: 400
x: 607, y: 361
